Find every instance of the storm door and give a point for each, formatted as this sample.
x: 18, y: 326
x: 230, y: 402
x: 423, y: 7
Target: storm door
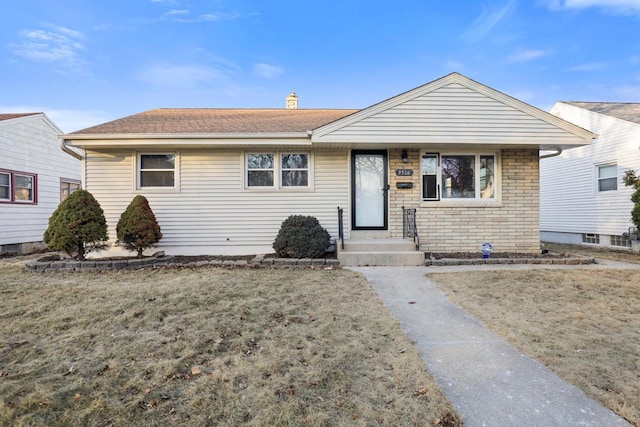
x: 369, y: 188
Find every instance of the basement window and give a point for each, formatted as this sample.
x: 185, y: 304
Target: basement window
x: 593, y: 239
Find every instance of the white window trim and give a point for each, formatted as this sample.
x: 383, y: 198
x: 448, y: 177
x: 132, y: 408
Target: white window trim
x: 176, y: 171
x: 476, y: 201
x: 596, y: 176
x: 277, y: 171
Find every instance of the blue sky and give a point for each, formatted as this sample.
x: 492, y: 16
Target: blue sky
x: 87, y: 62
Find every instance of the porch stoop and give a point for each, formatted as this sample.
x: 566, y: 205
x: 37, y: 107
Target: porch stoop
x: 380, y: 252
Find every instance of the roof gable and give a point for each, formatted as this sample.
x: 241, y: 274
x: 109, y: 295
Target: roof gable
x: 453, y: 109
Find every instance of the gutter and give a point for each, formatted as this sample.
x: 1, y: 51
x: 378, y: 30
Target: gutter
x: 557, y: 153
x: 69, y: 151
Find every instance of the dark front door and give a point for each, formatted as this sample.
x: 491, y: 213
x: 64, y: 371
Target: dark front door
x: 369, y: 188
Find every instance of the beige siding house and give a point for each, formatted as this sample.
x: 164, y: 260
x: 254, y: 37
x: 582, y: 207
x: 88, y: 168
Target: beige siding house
x: 221, y: 181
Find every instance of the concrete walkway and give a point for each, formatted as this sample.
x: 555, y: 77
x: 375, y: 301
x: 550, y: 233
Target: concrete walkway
x: 488, y: 381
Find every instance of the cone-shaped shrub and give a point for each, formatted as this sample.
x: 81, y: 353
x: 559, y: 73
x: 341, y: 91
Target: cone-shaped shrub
x: 301, y: 237
x: 138, y: 229
x: 77, y: 226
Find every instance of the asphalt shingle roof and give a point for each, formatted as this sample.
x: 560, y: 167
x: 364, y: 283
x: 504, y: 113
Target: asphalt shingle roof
x: 629, y: 111
x: 216, y: 120
x: 9, y: 116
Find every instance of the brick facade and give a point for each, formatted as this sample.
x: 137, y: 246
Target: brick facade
x: 511, y: 225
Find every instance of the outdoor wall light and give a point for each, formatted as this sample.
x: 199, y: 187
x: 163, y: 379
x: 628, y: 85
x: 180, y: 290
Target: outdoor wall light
x: 404, y: 156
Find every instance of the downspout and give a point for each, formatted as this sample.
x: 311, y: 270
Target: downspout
x: 68, y: 150
x: 557, y: 153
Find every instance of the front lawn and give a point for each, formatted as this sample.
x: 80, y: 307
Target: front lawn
x: 207, y: 346
x: 583, y: 324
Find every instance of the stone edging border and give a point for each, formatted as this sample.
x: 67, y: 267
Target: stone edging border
x: 158, y: 260
x: 492, y: 261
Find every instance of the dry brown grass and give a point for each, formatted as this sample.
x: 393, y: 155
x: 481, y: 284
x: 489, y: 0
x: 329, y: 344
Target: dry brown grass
x: 593, y: 252
x: 207, y: 347
x: 583, y: 324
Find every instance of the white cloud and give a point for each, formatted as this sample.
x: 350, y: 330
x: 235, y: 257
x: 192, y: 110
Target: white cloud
x: 267, y: 71
x: 615, y: 6
x: 179, y: 75
x: 528, y: 55
x: 589, y: 66
x: 491, y: 15
x: 61, y: 44
x: 177, y: 12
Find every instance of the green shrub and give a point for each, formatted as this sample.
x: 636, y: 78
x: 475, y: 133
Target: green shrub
x: 77, y: 226
x: 632, y: 180
x: 301, y: 237
x: 137, y: 228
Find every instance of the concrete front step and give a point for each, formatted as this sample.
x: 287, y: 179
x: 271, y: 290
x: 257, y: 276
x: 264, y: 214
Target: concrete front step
x: 378, y: 245
x: 381, y: 258
x: 380, y: 252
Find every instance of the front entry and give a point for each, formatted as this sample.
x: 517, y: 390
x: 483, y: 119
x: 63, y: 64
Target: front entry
x: 369, y: 187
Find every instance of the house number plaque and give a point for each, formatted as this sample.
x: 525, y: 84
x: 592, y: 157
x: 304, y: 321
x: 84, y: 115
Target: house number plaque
x: 404, y: 172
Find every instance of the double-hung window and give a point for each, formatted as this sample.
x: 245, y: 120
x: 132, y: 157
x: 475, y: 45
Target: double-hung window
x: 277, y: 170
x: 607, y: 177
x: 18, y: 187
x: 458, y: 176
x: 157, y: 170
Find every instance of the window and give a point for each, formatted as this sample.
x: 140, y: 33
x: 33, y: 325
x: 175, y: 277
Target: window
x: 620, y: 241
x: 591, y: 238
x: 459, y: 176
x: 18, y: 187
x: 607, y: 177
x: 277, y: 170
x: 260, y: 168
x: 5, y: 186
x: 157, y: 170
x: 295, y: 170
x: 68, y: 186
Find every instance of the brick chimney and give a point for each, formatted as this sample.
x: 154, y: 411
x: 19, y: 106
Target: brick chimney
x: 292, y: 101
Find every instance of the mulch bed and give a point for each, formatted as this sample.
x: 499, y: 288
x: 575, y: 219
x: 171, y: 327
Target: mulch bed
x: 505, y: 255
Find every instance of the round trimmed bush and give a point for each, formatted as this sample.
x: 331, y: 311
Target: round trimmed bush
x: 301, y: 237
x: 138, y: 228
x: 77, y: 226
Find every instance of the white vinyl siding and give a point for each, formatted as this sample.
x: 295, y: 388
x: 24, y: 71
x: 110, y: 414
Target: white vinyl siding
x: 569, y: 198
x: 30, y: 144
x: 451, y: 114
x: 211, y: 213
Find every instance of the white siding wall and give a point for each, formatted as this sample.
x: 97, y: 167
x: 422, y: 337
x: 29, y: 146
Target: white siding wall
x: 451, y: 114
x: 569, y: 200
x: 30, y: 144
x: 212, y: 213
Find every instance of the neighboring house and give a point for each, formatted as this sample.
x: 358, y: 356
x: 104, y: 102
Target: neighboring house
x: 465, y: 156
x: 582, y: 196
x: 35, y: 175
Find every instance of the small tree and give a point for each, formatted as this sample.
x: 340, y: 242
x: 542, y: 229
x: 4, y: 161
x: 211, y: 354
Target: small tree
x: 632, y: 180
x: 77, y: 226
x: 301, y: 237
x: 137, y: 228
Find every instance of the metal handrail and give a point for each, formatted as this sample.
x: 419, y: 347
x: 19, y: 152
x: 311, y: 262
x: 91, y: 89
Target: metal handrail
x: 410, y: 225
x: 340, y: 227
